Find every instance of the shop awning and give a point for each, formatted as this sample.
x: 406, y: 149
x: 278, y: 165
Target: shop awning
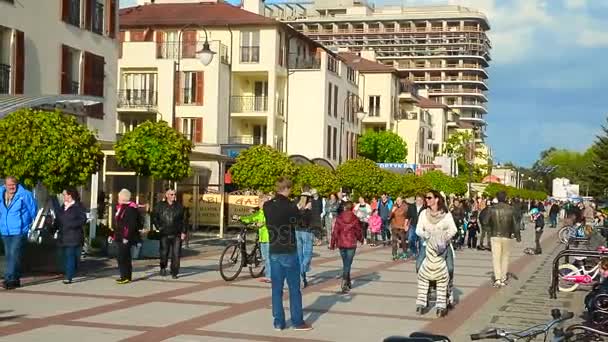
x: 73, y: 104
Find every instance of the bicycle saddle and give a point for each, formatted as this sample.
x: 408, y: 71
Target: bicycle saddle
x: 602, y: 249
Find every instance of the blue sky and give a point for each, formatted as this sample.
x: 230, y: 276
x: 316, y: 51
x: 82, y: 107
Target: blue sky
x: 548, y: 76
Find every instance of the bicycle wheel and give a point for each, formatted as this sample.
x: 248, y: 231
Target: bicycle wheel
x: 230, y: 262
x: 256, y: 263
x: 564, y: 234
x: 567, y: 270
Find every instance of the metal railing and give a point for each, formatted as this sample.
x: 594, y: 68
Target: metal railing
x: 300, y: 62
x: 97, y: 20
x: 250, y: 54
x: 246, y: 140
x: 5, y: 76
x: 74, y: 87
x: 390, y: 30
x: 137, y: 98
x: 170, y: 49
x: 248, y: 104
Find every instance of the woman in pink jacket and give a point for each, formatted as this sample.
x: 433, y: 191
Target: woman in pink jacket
x: 375, y: 226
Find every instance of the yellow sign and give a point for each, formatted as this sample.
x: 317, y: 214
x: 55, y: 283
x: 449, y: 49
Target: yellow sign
x: 209, y: 207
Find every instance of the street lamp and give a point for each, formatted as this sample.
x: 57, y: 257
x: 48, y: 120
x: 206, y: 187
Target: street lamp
x: 205, y: 55
x: 360, y: 115
x: 472, y: 161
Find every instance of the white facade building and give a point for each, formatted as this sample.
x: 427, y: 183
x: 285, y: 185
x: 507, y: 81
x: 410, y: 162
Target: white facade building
x: 55, y: 50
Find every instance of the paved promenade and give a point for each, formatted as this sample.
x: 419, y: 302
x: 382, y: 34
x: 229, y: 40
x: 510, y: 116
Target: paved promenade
x: 200, y: 306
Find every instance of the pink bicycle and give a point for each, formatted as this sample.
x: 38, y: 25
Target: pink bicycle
x: 571, y: 276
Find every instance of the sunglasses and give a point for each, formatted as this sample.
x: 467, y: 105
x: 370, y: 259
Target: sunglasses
x: 429, y: 198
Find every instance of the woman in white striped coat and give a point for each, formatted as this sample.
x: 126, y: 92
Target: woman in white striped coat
x: 436, y: 228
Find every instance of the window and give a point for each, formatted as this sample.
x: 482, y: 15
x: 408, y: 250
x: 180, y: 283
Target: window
x: 348, y: 107
x: 328, y: 147
x: 351, y: 75
x: 93, y: 74
x: 282, y: 55
x: 334, y: 140
x: 137, y: 90
x: 250, y: 46
x: 191, y: 128
x: 191, y: 88
x: 374, y: 105
x: 97, y: 16
x: 70, y: 12
x: 335, y: 101
x: 332, y: 64
x: 70, y: 70
x: 329, y: 98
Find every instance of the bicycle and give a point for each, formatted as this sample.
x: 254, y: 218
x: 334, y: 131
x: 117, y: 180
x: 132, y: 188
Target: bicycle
x: 232, y: 257
x: 531, y: 333
x: 567, y: 232
x: 573, y: 276
x: 587, y: 334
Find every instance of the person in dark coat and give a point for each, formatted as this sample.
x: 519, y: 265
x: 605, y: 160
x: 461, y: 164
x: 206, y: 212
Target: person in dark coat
x: 70, y: 219
x: 168, y: 217
x: 126, y: 234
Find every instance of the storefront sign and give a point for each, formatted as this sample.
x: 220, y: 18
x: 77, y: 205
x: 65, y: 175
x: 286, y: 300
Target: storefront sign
x: 209, y: 207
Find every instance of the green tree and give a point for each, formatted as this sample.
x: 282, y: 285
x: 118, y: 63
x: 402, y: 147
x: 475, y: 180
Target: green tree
x: 441, y: 182
x: 414, y: 185
x: 316, y: 176
x: 259, y: 167
x: 382, y: 147
x: 362, y: 176
x: 599, y: 163
x: 47, y: 147
x: 458, y: 146
x: 155, y: 149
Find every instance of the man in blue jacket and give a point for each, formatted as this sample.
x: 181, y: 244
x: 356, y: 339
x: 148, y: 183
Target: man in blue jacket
x: 17, y: 212
x: 384, y: 210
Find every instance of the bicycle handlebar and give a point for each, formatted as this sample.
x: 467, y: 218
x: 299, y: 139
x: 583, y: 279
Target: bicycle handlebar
x: 558, y: 317
x: 486, y: 335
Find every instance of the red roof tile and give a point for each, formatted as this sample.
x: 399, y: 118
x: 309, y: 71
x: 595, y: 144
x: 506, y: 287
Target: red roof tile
x: 365, y: 65
x: 428, y: 103
x: 205, y: 14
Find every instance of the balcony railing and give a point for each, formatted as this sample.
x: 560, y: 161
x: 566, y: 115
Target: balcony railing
x: 407, y: 65
x: 74, y: 87
x: 137, y: 98
x: 250, y: 54
x: 246, y: 140
x: 5, y: 76
x: 361, y: 30
x: 457, y: 90
x: 299, y: 62
x: 170, y: 49
x: 97, y: 25
x: 248, y: 104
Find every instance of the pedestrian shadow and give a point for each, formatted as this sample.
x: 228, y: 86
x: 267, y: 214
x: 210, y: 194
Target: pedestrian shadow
x: 8, y: 318
x: 323, y: 305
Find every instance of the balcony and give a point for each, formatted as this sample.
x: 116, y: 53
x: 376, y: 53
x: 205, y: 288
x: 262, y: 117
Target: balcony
x: 170, y: 49
x: 379, y: 30
x: 249, y: 104
x: 247, y: 140
x: 5, y: 73
x: 137, y: 99
x: 299, y: 62
x: 472, y: 91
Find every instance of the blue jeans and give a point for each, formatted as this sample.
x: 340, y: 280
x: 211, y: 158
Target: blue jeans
x: 553, y: 219
x: 386, y: 229
x: 71, y: 256
x: 286, y: 266
x: 347, y: 254
x: 265, y: 247
x: 13, y: 248
x: 304, y: 239
x: 412, y: 240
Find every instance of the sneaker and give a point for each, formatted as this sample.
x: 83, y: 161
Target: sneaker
x: 66, y: 281
x: 303, y: 327
x: 276, y: 328
x: 163, y: 272
x: 175, y: 276
x: 498, y: 284
x: 123, y: 281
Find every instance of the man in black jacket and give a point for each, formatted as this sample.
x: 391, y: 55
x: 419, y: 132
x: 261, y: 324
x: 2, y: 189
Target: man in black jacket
x: 282, y: 216
x: 168, y: 218
x: 502, y: 222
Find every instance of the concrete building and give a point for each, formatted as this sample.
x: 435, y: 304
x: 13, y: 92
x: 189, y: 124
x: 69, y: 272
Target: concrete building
x: 60, y: 54
x: 507, y: 176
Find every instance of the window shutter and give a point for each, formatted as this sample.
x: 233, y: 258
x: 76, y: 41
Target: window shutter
x: 111, y: 20
x: 19, y: 62
x: 65, y: 10
x: 198, y: 130
x: 178, y: 124
x: 160, y: 39
x: 189, y: 44
x: 121, y: 39
x: 93, y: 74
x: 149, y: 35
x: 178, y: 89
x: 65, y: 69
x: 89, y: 6
x: 95, y: 111
x: 200, y: 87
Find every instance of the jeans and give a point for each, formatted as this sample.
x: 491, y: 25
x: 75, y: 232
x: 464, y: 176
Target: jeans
x: 472, y: 238
x: 501, y: 250
x: 71, y: 257
x: 170, y: 245
x: 265, y: 248
x: 347, y: 254
x: 364, y: 226
x: 304, y: 239
x: 537, y: 234
x: 386, y: 229
x: 286, y: 267
x: 413, y: 240
x: 399, y: 234
x: 553, y: 219
x: 13, y: 248
x: 125, y: 265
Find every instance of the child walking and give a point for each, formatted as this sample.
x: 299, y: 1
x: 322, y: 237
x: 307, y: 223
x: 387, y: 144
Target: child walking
x: 345, y: 235
x: 472, y: 229
x: 539, y: 225
x: 375, y: 226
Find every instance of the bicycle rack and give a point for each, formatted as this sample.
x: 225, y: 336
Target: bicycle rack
x: 567, y: 253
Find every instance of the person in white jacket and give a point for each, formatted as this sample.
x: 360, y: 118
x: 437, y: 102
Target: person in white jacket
x: 363, y: 211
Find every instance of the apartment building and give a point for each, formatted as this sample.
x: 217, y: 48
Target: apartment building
x: 60, y: 54
x: 322, y: 104
x: 401, y: 107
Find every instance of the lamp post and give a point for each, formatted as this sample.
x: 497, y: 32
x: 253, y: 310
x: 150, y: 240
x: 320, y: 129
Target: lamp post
x: 360, y: 115
x: 205, y: 56
x: 471, y: 161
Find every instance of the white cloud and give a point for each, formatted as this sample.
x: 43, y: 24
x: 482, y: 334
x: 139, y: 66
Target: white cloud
x: 593, y: 38
x: 575, y: 4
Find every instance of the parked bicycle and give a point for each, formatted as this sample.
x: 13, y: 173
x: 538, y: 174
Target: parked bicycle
x: 567, y: 232
x: 235, y: 257
x: 531, y: 333
x: 571, y: 276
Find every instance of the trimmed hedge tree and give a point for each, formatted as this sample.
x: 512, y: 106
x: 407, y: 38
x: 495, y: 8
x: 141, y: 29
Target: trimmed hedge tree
x: 259, y: 167
x: 382, y: 147
x: 441, y: 182
x: 362, y: 176
x: 494, y: 188
x: 47, y: 147
x: 316, y: 176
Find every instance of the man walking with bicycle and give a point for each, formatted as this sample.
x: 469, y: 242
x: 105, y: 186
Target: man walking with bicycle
x: 282, y: 216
